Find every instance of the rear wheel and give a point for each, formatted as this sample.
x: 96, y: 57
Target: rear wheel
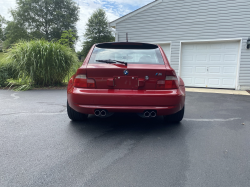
x: 74, y: 115
x: 176, y: 118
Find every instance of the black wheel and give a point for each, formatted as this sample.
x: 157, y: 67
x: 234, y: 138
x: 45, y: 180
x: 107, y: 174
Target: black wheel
x: 176, y: 118
x: 74, y: 115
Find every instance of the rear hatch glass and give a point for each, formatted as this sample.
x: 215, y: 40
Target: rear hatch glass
x: 131, y: 54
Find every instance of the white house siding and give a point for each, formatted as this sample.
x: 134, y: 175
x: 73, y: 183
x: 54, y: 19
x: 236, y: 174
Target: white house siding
x: 175, y: 21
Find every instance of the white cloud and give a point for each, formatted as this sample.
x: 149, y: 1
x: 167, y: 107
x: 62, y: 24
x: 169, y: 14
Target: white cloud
x: 132, y: 2
x: 5, y: 7
x: 113, y: 8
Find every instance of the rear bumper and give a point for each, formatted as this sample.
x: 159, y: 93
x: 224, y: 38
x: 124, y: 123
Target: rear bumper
x: 165, y: 102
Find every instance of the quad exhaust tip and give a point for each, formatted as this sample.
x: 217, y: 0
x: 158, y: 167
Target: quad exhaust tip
x: 149, y: 114
x: 103, y: 113
x: 153, y: 114
x: 97, y: 112
x: 146, y: 114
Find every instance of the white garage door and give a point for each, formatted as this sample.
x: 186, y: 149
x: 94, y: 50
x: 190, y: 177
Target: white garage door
x: 166, y: 49
x: 212, y: 64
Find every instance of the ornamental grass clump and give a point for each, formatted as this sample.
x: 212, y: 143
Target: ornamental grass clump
x: 6, y: 70
x: 5, y: 73
x: 41, y: 63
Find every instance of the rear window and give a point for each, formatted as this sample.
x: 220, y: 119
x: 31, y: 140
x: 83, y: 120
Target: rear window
x: 130, y: 56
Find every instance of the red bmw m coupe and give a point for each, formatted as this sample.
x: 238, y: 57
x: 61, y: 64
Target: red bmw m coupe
x: 126, y: 77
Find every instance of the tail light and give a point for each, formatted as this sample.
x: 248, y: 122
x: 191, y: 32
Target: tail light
x: 81, y: 81
x: 171, y: 82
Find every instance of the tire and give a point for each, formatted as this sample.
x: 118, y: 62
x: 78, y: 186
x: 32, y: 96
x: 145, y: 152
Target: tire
x: 74, y: 115
x: 177, y: 117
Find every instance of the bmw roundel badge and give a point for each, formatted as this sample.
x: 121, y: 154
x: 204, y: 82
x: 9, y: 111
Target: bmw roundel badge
x: 125, y: 72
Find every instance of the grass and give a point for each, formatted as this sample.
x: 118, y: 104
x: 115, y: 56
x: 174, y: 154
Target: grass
x: 72, y: 71
x: 41, y: 63
x: 5, y: 70
x: 37, y: 64
x: 1, y: 56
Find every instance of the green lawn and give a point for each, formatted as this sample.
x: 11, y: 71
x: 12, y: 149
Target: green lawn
x: 1, y: 56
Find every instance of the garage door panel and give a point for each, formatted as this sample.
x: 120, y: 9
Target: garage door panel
x: 214, y: 64
x: 188, y: 58
x: 230, y: 58
x: 229, y: 82
x: 214, y: 82
x: 231, y: 46
x: 229, y: 70
x: 215, y: 58
x: 200, y: 81
x: 216, y: 46
x: 201, y: 69
x: 201, y: 47
x: 201, y: 58
x: 190, y: 47
x: 187, y: 69
x: 188, y: 81
x: 214, y: 70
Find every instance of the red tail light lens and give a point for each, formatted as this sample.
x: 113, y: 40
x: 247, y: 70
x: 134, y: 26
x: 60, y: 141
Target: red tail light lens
x: 171, y: 82
x: 90, y: 83
x: 81, y: 81
x: 161, y: 84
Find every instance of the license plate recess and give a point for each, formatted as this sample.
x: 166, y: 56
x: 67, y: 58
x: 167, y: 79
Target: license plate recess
x: 126, y: 82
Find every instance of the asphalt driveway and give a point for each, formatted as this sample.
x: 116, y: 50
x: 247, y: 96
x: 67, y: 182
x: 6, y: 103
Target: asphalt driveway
x: 40, y: 146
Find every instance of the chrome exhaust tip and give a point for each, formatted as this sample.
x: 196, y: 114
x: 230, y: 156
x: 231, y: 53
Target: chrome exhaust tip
x: 153, y: 114
x: 97, y: 113
x: 103, y: 113
x: 146, y: 114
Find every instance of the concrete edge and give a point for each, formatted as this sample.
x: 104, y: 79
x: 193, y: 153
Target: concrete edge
x: 219, y: 91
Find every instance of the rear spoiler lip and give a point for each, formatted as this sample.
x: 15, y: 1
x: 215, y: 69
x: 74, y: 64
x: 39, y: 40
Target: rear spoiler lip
x: 126, y: 45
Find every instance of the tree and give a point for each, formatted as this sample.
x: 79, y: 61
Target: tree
x: 13, y: 33
x: 47, y: 18
x: 68, y: 38
x: 2, y: 23
x: 97, y: 31
x: 79, y: 55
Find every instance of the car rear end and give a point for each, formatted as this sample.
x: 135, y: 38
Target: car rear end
x: 126, y: 77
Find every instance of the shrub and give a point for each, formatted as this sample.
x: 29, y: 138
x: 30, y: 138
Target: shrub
x: 6, y: 72
x: 3, y: 74
x: 41, y: 63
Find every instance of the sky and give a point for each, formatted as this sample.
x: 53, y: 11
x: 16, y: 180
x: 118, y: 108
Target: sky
x: 113, y: 8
